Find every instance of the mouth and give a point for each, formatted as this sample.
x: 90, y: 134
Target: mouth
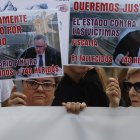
x: 39, y: 97
x: 135, y: 102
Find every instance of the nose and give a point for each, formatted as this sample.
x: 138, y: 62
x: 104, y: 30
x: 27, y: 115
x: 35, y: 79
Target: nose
x: 132, y: 91
x: 37, y: 48
x: 40, y: 87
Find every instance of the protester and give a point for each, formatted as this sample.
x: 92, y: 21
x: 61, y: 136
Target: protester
x: 131, y: 85
x: 82, y: 84
x: 40, y: 92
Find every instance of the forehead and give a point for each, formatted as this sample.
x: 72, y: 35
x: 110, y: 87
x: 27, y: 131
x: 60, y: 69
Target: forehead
x: 135, y: 77
x: 39, y: 41
x: 51, y: 79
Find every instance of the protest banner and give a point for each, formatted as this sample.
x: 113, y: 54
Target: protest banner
x: 61, y: 5
x: 104, y: 33
x: 57, y: 38
x: 24, y: 37
x: 51, y: 123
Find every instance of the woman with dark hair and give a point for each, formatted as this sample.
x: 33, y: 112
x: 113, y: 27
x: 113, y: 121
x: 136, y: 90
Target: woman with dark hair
x: 82, y: 84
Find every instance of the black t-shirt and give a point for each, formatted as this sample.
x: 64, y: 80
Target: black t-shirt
x: 88, y: 90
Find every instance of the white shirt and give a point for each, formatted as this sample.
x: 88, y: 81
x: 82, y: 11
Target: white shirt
x: 43, y: 58
x: 6, y: 87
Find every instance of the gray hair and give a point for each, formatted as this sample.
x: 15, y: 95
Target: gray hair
x: 40, y: 36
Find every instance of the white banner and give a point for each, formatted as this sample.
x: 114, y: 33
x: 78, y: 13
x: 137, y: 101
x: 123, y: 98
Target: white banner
x: 54, y: 123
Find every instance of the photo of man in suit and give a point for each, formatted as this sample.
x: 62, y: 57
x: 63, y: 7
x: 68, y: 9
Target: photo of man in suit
x: 43, y: 53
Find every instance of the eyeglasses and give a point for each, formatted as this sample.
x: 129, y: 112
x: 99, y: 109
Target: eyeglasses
x: 127, y: 86
x: 32, y: 84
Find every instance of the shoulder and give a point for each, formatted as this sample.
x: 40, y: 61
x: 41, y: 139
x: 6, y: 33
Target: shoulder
x: 29, y: 52
x: 30, y: 49
x: 52, y: 50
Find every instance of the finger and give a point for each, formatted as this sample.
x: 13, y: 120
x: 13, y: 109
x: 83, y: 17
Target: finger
x: 18, y: 94
x: 72, y: 107
x: 116, y: 84
x: 67, y: 106
x: 83, y: 106
x: 113, y: 88
x: 114, y: 94
x: 77, y: 107
x: 113, y: 85
x: 17, y: 101
x: 63, y: 104
x: 111, y: 79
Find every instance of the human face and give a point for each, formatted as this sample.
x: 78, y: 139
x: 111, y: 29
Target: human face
x: 39, y: 92
x: 133, y: 94
x: 39, y: 46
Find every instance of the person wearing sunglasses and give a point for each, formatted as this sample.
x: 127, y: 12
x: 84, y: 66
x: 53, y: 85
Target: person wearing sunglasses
x: 131, y: 86
x: 40, y: 92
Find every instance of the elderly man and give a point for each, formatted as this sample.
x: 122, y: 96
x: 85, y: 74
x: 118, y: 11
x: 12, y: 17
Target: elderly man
x: 42, y: 53
x: 40, y: 92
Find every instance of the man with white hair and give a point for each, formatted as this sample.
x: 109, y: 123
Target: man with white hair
x: 42, y: 53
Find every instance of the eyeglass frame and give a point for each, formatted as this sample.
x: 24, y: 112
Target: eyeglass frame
x: 132, y: 85
x: 39, y: 83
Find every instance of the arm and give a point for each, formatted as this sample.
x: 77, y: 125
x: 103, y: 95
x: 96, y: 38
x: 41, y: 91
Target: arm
x: 113, y: 92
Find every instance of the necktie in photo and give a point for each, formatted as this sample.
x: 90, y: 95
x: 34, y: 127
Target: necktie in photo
x: 40, y: 61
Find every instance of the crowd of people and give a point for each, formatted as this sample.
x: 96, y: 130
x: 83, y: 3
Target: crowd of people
x: 80, y: 86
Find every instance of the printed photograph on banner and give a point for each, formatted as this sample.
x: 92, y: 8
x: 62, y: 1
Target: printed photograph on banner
x: 104, y: 33
x: 61, y: 6
x: 30, y: 44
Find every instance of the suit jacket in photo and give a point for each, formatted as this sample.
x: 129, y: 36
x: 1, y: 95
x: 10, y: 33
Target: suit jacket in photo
x: 129, y: 44
x: 52, y: 56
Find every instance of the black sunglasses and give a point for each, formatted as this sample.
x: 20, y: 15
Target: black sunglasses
x: 127, y: 86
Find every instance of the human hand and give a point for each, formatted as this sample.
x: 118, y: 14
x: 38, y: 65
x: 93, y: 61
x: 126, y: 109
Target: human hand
x: 124, y: 61
x: 16, y: 98
x: 113, y: 92
x: 74, y: 107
